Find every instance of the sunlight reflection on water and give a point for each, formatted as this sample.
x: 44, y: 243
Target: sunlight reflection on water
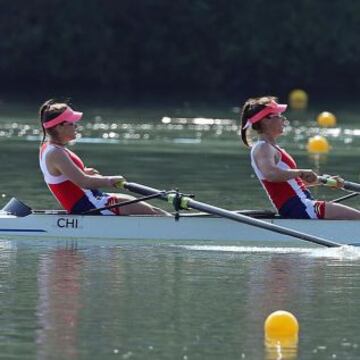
x: 193, y: 128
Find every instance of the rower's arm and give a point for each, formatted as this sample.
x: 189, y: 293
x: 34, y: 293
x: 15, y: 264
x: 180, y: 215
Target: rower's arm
x: 265, y: 157
x: 64, y: 165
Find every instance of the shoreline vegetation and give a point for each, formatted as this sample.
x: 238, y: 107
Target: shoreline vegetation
x: 190, y: 49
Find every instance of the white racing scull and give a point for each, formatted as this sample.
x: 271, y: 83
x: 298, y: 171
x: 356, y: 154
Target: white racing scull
x: 263, y: 228
x: 56, y: 224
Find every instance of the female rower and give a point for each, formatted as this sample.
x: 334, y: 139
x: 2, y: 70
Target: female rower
x: 72, y: 184
x: 284, y: 183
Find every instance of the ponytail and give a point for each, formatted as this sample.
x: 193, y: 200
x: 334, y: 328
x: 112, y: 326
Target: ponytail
x: 43, y: 111
x: 244, y: 119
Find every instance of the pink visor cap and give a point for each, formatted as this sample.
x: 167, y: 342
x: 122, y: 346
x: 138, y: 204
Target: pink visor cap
x: 271, y: 108
x: 69, y: 115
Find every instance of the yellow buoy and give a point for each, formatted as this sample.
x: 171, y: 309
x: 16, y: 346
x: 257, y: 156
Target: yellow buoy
x: 281, y: 335
x: 326, y: 119
x: 281, y: 324
x: 298, y: 99
x: 318, y: 145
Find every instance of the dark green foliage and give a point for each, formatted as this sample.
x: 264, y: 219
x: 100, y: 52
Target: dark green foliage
x: 187, y: 47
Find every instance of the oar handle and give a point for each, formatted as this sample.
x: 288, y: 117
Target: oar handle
x: 328, y: 181
x: 346, y: 185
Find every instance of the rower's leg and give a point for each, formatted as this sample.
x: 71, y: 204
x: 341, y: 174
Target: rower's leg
x: 140, y: 208
x: 341, y: 212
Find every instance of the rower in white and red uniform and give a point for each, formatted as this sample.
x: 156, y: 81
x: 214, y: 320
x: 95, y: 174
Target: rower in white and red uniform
x: 291, y: 198
x: 71, y: 197
x: 75, y: 186
x: 285, y: 184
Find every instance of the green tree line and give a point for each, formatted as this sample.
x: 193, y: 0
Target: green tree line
x: 194, y: 47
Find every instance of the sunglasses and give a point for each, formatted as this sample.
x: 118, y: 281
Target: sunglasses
x: 274, y: 116
x: 67, y: 123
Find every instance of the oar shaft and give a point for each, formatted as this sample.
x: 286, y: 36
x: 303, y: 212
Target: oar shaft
x: 259, y: 223
x: 122, y: 204
x: 142, y: 189
x: 187, y: 202
x: 348, y: 185
x: 345, y: 197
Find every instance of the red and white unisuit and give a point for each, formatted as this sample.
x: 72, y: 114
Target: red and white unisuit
x: 291, y: 198
x: 71, y: 197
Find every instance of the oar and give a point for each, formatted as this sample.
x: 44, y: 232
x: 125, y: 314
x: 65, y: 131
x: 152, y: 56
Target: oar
x: 189, y: 203
x: 345, y: 197
x: 347, y: 185
x: 121, y: 204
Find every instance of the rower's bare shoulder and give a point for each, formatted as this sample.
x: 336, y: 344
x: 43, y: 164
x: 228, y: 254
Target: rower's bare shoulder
x: 56, y: 154
x: 263, y: 149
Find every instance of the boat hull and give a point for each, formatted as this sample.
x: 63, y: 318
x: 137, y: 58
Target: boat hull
x: 200, y: 228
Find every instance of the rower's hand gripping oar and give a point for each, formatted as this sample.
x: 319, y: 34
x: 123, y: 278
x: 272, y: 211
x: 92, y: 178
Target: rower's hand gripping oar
x: 345, y: 185
x: 341, y: 184
x: 186, y: 202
